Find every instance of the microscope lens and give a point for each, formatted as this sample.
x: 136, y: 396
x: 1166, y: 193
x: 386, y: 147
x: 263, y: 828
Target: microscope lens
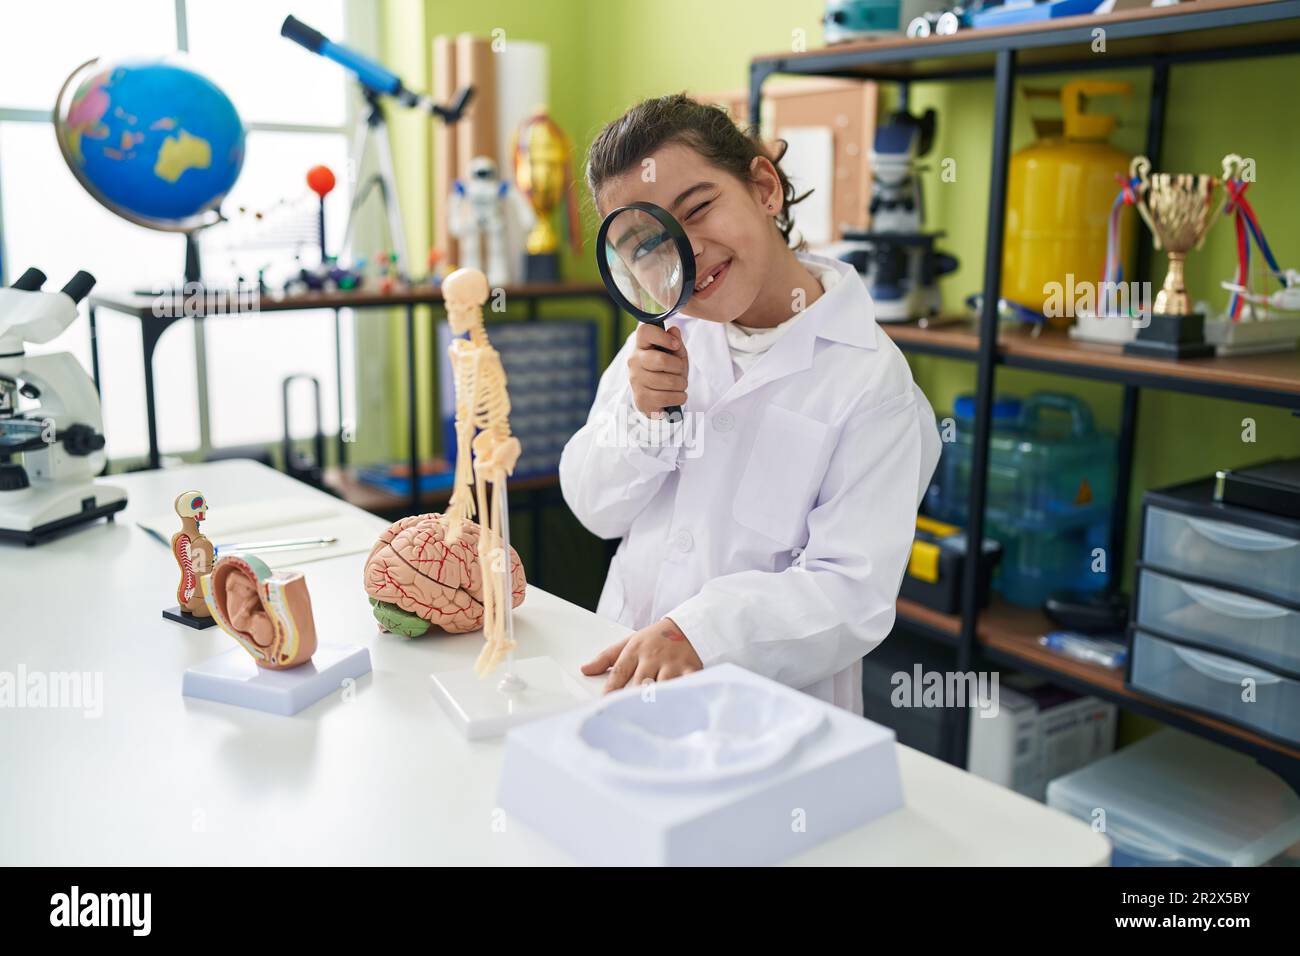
x: 30, y: 281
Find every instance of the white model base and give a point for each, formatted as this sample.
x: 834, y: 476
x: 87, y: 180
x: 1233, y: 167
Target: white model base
x: 233, y: 678
x: 895, y: 310
x: 718, y: 768
x: 1106, y: 329
x: 1250, y: 337
x: 914, y: 305
x: 481, y: 707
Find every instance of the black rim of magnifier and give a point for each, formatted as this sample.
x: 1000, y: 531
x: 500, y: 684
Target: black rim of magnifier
x: 684, y: 252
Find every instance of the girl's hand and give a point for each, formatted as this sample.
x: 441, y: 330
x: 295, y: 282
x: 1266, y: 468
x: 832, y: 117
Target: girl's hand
x: 658, y: 378
x: 658, y: 652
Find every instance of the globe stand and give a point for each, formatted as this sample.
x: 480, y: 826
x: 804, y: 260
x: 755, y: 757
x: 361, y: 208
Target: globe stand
x: 193, y: 273
x: 193, y: 270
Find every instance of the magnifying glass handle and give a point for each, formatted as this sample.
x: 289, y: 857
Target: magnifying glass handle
x: 673, y: 413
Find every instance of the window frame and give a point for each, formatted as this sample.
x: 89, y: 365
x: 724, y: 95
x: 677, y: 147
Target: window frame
x: 344, y: 129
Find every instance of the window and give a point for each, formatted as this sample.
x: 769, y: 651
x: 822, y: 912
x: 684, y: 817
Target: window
x: 41, y: 43
x: 50, y: 222
x: 252, y: 354
x: 294, y: 106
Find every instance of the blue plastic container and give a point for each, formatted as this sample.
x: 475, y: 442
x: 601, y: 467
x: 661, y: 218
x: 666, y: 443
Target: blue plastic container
x: 1027, y: 12
x: 1051, y: 481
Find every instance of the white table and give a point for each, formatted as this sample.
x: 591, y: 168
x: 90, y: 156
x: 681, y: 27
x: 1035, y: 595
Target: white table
x: 381, y: 778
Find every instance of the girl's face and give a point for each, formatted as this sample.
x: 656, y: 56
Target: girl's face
x: 728, y: 222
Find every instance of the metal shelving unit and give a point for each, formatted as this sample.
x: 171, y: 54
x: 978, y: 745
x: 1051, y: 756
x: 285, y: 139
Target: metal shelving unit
x: 1154, y: 38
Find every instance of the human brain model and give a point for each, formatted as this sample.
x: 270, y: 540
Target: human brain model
x: 417, y: 581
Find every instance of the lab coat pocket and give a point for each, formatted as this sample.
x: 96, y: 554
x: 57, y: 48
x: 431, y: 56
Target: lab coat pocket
x: 783, y: 474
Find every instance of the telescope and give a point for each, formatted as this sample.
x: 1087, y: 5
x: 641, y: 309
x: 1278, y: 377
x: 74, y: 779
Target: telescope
x: 374, y: 77
x: 376, y: 81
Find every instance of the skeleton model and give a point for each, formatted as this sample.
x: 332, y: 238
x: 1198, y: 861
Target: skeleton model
x: 479, y: 206
x: 193, y: 552
x: 482, y: 406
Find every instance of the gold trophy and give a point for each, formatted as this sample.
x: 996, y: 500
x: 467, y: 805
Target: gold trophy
x: 543, y: 161
x: 1179, y: 209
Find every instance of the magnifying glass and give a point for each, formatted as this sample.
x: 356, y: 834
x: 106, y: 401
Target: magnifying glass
x: 647, y: 265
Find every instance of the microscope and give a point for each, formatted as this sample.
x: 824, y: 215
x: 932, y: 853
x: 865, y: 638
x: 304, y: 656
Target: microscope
x: 51, y: 429
x: 896, y: 257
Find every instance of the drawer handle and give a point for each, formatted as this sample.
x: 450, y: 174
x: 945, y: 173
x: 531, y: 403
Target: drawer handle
x: 1232, y: 605
x: 1220, y: 669
x: 1126, y: 839
x: 1239, y: 539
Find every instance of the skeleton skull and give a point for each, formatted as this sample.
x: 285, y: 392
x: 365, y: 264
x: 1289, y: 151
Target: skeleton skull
x: 464, y: 292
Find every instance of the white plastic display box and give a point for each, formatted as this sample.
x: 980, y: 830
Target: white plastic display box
x: 1105, y: 329
x: 232, y: 677
x: 1251, y: 336
x: 721, y: 767
x: 1228, y: 337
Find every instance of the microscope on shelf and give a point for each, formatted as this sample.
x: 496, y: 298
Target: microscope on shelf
x: 49, y: 418
x: 898, y: 261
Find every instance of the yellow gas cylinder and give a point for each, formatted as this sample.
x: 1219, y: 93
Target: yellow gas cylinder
x: 1060, y: 191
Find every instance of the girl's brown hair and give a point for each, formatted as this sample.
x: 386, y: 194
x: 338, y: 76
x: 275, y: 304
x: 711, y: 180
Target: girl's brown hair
x: 709, y: 130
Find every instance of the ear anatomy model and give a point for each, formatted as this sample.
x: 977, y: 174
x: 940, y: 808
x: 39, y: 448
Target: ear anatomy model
x: 417, y: 580
x: 483, y: 431
x: 267, y: 612
x: 194, y: 553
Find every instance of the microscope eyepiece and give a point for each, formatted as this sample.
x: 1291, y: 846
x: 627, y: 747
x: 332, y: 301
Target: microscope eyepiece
x: 79, y: 286
x: 30, y: 281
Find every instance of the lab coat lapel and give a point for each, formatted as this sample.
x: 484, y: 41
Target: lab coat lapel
x: 709, y: 353
x: 792, y: 352
x: 843, y: 314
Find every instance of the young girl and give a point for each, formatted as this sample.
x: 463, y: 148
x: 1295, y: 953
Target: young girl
x: 770, y: 528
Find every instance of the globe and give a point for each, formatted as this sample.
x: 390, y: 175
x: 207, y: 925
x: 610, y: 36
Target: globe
x: 156, y: 142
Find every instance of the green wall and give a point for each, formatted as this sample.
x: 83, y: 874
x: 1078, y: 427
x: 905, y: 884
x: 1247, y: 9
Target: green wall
x: 1179, y: 436
x: 607, y: 55
x: 407, y: 29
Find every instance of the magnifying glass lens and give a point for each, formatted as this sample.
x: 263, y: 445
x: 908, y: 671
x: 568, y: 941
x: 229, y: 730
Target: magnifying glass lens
x: 648, y: 266
x: 644, y: 261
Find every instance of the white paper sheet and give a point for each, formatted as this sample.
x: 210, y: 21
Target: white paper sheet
x: 276, y: 519
x: 809, y: 162
x: 522, y: 75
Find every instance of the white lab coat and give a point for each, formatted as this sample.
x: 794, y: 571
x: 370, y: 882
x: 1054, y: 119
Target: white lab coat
x: 775, y: 526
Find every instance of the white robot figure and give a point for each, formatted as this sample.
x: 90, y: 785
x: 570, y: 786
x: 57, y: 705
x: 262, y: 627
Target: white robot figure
x: 59, y: 431
x: 480, y: 207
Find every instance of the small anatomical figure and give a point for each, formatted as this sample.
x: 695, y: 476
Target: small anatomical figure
x: 267, y: 612
x: 482, y: 407
x: 417, y: 580
x: 194, y: 553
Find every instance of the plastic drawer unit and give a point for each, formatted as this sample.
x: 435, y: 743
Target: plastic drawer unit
x: 1220, y: 621
x: 1172, y: 799
x: 1223, y: 687
x: 1186, y: 533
